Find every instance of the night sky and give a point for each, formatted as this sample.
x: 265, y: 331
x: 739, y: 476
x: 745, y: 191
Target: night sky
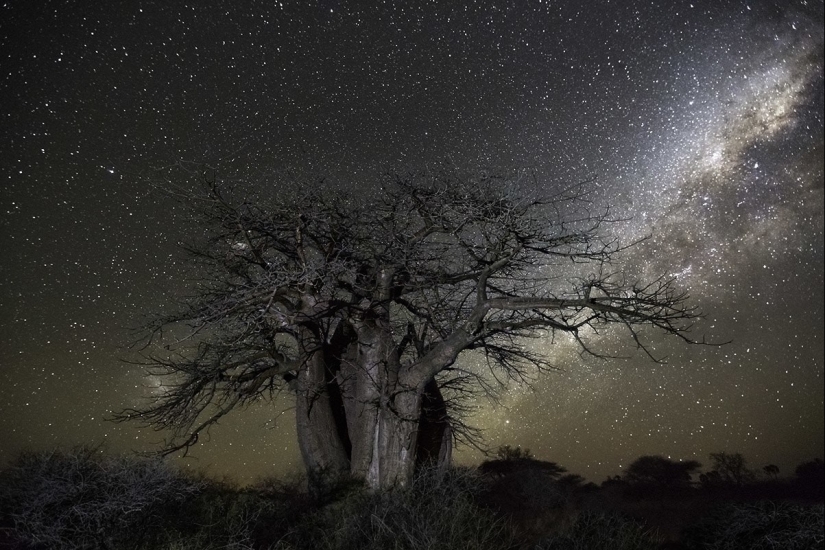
x: 701, y: 122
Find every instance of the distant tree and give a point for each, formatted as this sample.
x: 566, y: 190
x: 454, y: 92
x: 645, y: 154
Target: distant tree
x: 731, y: 468
x: 811, y: 470
x: 613, y: 481
x: 810, y: 476
x: 515, y: 459
x: 571, y: 480
x: 527, y: 491
x: 361, y: 303
x: 710, y: 479
x: 506, y: 452
x: 661, y: 473
x: 771, y: 470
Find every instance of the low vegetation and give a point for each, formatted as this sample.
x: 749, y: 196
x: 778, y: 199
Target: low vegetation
x: 84, y: 499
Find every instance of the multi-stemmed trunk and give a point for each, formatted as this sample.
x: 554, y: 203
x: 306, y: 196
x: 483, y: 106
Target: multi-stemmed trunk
x: 359, y: 415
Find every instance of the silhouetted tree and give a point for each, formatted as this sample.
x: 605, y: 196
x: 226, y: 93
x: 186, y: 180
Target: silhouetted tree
x: 506, y: 452
x: 771, y: 470
x: 731, y: 468
x: 515, y: 459
x: 711, y: 479
x: 657, y: 472
x: 571, y: 481
x: 361, y: 306
x: 810, y: 476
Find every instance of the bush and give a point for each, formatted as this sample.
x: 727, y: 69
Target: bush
x: 810, y: 479
x: 601, y: 531
x: 81, y: 499
x: 220, y: 518
x: 532, y: 502
x: 758, y: 526
x: 439, y: 510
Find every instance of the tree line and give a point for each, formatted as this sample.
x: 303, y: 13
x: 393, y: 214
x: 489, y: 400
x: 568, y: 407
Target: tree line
x: 657, y: 473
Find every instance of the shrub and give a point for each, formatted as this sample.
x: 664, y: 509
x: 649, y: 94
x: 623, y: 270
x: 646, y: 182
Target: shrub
x: 437, y: 511
x: 531, y: 502
x: 810, y: 478
x: 81, y: 499
x: 594, y: 530
x: 758, y: 526
x: 220, y: 518
x: 660, y: 474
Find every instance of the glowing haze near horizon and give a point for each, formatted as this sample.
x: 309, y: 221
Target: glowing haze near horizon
x: 699, y: 122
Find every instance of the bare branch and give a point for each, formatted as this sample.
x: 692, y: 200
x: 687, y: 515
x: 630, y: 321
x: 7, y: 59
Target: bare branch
x: 360, y: 301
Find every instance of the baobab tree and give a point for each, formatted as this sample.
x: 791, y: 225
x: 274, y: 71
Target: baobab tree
x: 361, y: 306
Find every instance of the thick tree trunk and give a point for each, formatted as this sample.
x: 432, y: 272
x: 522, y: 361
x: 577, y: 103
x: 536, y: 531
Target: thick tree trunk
x: 355, y: 417
x: 322, y: 450
x: 435, y: 436
x: 368, y: 377
x: 389, y: 432
x: 387, y: 415
x: 395, y: 441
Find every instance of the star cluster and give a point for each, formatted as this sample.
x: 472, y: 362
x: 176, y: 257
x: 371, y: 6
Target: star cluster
x: 700, y: 124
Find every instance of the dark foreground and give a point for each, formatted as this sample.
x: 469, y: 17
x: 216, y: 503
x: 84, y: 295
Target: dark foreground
x: 83, y: 500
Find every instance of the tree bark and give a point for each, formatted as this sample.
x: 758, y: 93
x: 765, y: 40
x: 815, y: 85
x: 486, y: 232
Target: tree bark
x: 322, y: 449
x: 355, y: 417
x: 394, y: 441
x: 435, y: 438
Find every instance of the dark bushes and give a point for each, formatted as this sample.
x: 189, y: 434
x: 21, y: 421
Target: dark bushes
x: 761, y: 525
x: 594, y: 530
x: 439, y: 510
x: 83, y: 500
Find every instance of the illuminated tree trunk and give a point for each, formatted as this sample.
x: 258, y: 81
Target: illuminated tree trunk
x: 354, y: 416
x: 322, y: 446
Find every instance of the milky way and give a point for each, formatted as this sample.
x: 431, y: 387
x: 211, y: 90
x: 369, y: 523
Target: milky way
x: 699, y: 123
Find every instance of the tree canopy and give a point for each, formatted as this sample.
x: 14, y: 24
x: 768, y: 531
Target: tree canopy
x: 658, y: 472
x: 360, y: 304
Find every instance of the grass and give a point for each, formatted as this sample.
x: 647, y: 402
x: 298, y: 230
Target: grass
x: 82, y: 499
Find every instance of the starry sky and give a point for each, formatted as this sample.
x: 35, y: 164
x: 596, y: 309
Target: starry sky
x: 700, y: 122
